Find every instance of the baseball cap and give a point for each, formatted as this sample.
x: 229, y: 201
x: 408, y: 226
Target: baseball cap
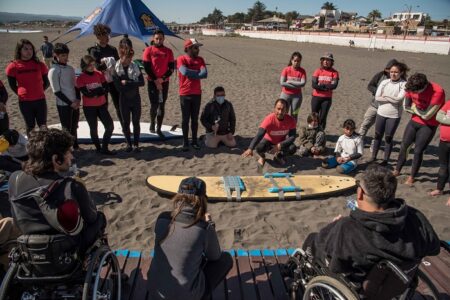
x: 192, y: 186
x: 327, y: 55
x: 191, y: 42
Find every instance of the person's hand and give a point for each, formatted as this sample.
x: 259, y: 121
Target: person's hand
x: 340, y: 160
x: 124, y: 82
x: 247, y: 153
x: 215, y: 127
x: 208, y: 217
x: 158, y: 83
x: 2, y: 107
x: 337, y: 218
x: 75, y: 104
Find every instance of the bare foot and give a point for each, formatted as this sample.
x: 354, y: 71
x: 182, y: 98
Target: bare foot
x: 435, y: 193
x: 410, y: 181
x: 396, y: 173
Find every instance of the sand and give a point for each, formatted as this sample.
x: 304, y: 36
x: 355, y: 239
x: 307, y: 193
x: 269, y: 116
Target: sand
x: 118, y: 183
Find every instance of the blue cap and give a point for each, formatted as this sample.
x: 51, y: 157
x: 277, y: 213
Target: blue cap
x: 192, y: 186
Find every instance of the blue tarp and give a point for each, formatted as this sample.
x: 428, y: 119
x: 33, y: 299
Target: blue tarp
x: 130, y: 17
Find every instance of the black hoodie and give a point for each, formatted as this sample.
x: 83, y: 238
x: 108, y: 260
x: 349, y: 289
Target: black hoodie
x: 354, y: 244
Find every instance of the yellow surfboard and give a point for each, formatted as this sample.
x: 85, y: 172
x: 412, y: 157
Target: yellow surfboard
x: 268, y: 187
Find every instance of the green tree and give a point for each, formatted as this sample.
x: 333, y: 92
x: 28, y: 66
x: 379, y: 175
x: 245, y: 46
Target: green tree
x: 328, y: 6
x: 216, y: 17
x: 257, y: 12
x: 291, y: 16
x: 374, y: 14
x: 238, y: 18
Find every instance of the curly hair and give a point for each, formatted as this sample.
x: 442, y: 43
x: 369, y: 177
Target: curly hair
x: 101, y: 29
x: 380, y: 185
x: 416, y: 82
x: 41, y: 147
x: 20, y: 44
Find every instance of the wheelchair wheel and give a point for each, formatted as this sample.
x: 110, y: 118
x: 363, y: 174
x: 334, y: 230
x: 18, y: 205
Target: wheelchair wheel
x: 325, y: 287
x: 7, y: 282
x: 426, y: 287
x: 103, y: 279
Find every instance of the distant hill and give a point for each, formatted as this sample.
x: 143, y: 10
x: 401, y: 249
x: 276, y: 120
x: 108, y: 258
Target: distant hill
x: 19, y: 17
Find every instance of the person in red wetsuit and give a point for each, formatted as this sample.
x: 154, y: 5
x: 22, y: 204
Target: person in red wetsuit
x: 292, y: 79
x: 27, y: 77
x: 324, y: 80
x: 423, y: 99
x: 275, y: 135
x: 159, y: 65
x: 443, y: 117
x: 93, y: 87
x: 191, y: 69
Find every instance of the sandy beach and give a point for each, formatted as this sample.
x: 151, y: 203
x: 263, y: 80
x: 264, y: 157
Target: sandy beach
x: 118, y: 183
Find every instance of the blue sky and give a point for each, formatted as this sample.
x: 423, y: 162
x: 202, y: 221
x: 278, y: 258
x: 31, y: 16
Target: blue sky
x: 193, y: 10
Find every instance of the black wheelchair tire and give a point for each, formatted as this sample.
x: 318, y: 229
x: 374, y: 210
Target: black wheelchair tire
x: 434, y: 293
x: 7, y: 280
x: 343, y: 289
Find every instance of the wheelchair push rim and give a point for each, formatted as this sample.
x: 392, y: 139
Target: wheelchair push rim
x: 325, y: 287
x: 103, y: 278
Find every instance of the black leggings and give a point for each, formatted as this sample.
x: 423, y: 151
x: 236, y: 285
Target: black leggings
x: 190, y: 108
x: 34, y: 112
x: 387, y: 127
x: 69, y: 118
x: 91, y: 113
x: 157, y: 109
x: 133, y: 109
x: 216, y: 271
x: 444, y: 164
x: 321, y: 105
x: 419, y: 134
x: 4, y: 123
x: 265, y: 146
x: 115, y: 99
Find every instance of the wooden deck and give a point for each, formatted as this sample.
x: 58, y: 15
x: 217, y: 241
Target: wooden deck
x: 256, y: 274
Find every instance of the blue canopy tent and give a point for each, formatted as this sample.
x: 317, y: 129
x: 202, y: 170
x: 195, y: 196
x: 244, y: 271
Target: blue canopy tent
x: 130, y: 17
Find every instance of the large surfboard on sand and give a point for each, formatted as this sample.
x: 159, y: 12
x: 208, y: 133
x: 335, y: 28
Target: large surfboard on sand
x: 266, y: 187
x: 84, y: 136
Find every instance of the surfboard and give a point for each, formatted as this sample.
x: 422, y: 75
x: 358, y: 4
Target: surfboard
x: 84, y: 136
x: 269, y: 187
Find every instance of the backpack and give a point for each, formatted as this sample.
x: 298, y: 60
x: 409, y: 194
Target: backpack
x: 62, y: 215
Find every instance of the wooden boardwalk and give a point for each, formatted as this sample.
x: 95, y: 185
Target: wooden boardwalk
x: 256, y: 275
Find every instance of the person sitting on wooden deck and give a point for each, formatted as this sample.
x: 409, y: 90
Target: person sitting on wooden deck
x: 188, y: 262
x: 380, y: 227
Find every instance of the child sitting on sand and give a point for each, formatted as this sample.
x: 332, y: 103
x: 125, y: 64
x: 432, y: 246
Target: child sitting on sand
x: 349, y: 148
x: 312, y: 137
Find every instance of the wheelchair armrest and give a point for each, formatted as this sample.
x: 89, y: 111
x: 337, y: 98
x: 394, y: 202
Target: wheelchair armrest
x: 397, y: 271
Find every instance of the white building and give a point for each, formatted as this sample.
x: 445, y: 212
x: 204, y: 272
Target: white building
x: 419, y: 17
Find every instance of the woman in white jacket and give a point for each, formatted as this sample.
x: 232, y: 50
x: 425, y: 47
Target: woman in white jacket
x: 389, y: 95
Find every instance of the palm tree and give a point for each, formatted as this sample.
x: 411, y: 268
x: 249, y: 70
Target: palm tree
x: 328, y: 6
x: 374, y: 14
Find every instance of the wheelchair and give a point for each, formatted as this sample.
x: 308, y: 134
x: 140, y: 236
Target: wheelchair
x: 50, y: 267
x: 311, y: 281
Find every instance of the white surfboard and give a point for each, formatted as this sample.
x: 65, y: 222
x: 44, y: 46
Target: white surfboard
x: 84, y: 136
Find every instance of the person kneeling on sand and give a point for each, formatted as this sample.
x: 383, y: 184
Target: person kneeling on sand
x: 188, y: 262
x: 275, y: 135
x: 349, y: 148
x: 312, y: 137
x: 219, y: 120
x: 380, y: 227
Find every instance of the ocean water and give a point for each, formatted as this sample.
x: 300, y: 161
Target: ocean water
x: 18, y: 31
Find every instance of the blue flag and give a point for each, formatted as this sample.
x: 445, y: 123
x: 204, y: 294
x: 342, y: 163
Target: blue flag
x: 130, y: 17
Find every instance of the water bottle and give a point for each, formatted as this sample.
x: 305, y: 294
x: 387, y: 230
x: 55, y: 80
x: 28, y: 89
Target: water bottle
x: 351, y: 203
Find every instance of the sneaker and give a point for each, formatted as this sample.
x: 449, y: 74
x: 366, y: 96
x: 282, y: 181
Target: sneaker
x: 195, y: 146
x: 185, y: 148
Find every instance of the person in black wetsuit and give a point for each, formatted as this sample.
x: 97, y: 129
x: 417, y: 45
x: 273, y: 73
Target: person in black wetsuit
x: 100, y: 52
x: 128, y: 78
x: 275, y: 135
x: 50, y: 153
x: 4, y: 119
